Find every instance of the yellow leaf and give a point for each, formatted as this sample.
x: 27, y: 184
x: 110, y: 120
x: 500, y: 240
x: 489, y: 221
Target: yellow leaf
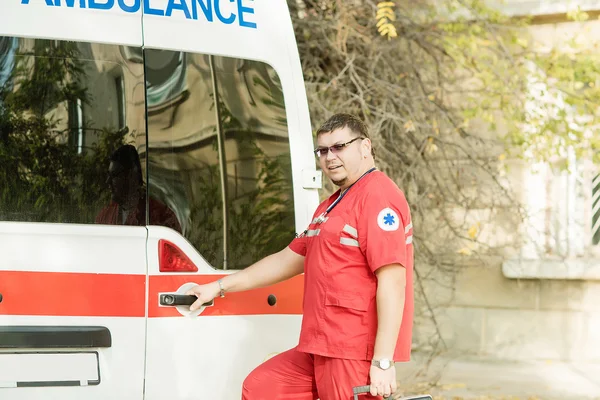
x: 502, y: 157
x: 381, y: 22
x: 386, y: 13
x: 465, y: 251
x: 384, y: 29
x: 386, y: 4
x: 522, y: 42
x: 431, y: 97
x: 431, y: 148
x: 473, y: 230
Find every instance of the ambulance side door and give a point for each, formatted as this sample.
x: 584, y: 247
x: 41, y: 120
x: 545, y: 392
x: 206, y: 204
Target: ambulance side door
x: 225, y: 111
x: 72, y: 292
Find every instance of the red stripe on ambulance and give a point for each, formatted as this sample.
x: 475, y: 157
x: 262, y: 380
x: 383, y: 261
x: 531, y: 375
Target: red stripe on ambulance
x: 123, y: 295
x: 72, y: 294
x: 289, y: 296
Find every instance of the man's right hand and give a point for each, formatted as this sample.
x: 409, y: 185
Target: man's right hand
x: 204, y: 293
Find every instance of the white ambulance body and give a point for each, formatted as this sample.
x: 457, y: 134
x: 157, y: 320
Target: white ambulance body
x: 80, y: 309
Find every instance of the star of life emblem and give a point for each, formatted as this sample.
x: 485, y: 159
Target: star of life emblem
x: 388, y: 220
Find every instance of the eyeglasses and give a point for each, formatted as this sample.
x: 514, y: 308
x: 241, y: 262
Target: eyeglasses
x: 336, y: 148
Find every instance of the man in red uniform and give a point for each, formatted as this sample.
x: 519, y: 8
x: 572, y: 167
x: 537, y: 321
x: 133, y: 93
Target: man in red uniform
x: 357, y: 259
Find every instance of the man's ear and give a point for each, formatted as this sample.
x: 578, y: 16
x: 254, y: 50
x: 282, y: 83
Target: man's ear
x: 366, y: 147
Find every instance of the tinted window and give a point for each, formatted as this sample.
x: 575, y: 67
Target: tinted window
x: 64, y: 108
x: 218, y: 153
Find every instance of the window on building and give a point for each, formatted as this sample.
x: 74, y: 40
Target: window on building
x: 218, y: 154
x: 560, y: 233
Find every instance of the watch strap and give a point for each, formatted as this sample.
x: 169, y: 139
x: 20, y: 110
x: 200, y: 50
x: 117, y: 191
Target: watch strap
x: 222, y: 289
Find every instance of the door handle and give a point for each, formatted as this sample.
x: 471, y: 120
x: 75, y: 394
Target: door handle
x: 174, y: 299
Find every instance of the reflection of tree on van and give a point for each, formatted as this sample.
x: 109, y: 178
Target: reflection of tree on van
x: 48, y: 173
x: 260, y: 209
x: 260, y: 219
x: 42, y: 175
x: 128, y: 194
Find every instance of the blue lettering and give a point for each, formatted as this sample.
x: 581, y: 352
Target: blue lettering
x: 152, y: 11
x: 70, y: 3
x: 228, y: 20
x: 100, y: 6
x: 137, y: 4
x: 206, y: 9
x: 133, y: 6
x: 177, y: 6
x: 241, y: 11
x: 48, y: 2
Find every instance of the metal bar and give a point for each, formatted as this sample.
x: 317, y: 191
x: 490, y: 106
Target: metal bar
x: 222, y: 163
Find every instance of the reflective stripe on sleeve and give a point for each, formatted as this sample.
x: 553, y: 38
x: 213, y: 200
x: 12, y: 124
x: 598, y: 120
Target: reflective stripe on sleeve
x: 351, y: 231
x: 349, y: 242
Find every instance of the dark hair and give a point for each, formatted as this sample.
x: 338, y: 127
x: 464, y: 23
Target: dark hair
x: 342, y: 120
x: 129, y: 158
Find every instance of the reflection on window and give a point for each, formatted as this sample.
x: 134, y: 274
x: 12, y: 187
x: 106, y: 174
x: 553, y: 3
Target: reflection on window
x: 219, y: 154
x: 121, y: 110
x: 61, y: 116
x: 76, y: 128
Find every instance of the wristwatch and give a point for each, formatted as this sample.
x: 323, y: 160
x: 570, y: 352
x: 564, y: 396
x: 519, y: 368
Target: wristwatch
x: 383, y: 364
x: 221, y: 288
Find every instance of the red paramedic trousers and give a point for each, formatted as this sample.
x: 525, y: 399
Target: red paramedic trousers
x: 303, y: 376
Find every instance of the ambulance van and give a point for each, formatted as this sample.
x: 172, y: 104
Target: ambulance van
x: 97, y: 249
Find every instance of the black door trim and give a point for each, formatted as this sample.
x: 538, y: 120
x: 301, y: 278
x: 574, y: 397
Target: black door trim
x: 38, y: 337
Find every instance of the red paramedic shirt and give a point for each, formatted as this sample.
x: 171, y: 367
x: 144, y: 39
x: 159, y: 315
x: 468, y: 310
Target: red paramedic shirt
x: 369, y: 228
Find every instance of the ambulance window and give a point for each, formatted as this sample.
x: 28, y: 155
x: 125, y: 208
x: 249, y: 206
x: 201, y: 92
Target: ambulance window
x: 61, y: 116
x: 212, y: 120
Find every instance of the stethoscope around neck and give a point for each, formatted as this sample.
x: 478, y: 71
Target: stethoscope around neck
x: 322, y: 218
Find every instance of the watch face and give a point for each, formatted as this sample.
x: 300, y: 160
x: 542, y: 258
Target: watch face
x: 384, y: 364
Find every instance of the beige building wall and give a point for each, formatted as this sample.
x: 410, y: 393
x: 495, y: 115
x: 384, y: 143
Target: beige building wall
x: 513, y: 306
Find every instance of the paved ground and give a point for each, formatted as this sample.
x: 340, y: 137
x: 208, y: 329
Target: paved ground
x: 477, y: 378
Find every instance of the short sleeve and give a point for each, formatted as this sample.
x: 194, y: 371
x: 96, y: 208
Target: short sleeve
x: 383, y: 224
x: 298, y: 245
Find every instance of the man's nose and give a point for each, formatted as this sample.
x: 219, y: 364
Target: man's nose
x: 330, y: 155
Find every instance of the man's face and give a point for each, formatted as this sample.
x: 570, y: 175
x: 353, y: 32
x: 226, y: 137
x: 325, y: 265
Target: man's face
x: 342, y: 164
x: 122, y: 182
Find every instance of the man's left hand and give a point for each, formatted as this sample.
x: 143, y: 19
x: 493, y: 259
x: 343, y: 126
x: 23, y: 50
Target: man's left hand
x: 383, y: 382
